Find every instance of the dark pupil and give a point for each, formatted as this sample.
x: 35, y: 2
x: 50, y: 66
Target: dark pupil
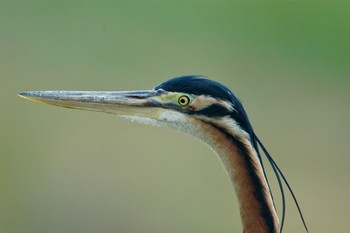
x: 183, y: 100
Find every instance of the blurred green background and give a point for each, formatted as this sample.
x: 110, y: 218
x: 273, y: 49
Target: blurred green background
x: 73, y: 171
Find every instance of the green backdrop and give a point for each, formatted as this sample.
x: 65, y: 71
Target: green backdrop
x: 65, y: 171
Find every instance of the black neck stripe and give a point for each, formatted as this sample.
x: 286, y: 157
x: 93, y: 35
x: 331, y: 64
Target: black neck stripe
x: 214, y: 110
x: 256, y: 182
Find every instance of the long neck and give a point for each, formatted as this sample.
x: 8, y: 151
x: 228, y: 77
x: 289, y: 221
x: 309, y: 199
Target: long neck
x: 243, y: 167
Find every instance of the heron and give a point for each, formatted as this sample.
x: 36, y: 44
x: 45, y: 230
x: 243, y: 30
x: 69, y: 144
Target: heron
x: 210, y: 112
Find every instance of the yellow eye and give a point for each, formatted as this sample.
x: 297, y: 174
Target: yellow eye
x: 184, y: 100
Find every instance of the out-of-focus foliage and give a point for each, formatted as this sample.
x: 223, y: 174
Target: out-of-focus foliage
x: 74, y: 171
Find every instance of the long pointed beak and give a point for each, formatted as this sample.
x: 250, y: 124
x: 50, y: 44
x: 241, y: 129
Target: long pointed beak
x: 129, y: 103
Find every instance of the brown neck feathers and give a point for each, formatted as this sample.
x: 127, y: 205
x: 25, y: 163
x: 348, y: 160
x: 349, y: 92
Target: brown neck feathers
x: 244, y: 169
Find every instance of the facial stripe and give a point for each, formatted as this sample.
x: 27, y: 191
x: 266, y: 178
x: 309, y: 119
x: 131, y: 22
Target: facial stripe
x: 202, y: 104
x: 203, y: 101
x: 214, y: 110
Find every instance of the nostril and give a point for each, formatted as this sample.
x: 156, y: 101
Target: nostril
x: 136, y: 96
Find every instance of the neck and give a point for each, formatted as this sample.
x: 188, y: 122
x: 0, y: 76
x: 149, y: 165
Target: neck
x: 242, y: 165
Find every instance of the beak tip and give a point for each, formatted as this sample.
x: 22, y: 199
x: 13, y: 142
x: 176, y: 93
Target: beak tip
x: 22, y: 94
x: 26, y: 95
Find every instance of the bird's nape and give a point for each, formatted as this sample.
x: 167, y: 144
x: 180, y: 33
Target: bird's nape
x: 211, y: 113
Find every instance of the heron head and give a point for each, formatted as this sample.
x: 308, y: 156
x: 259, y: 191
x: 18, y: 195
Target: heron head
x: 194, y: 105
x: 177, y: 103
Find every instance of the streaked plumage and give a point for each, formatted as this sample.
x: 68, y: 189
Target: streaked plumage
x: 211, y: 113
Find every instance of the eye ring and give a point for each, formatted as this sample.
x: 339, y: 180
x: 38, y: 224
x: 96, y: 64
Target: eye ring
x: 184, y: 100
